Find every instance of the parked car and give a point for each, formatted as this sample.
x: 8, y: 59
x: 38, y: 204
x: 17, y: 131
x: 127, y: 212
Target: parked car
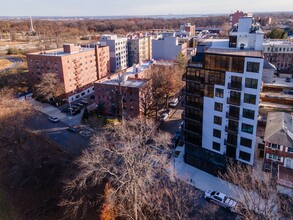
x: 164, y: 117
x: 65, y: 110
x: 85, y: 133
x: 84, y: 102
x: 53, y: 119
x: 168, y: 111
x: 288, y: 79
x: 75, y: 105
x: 220, y: 199
x: 173, y: 103
x: 73, y: 129
x: 75, y: 111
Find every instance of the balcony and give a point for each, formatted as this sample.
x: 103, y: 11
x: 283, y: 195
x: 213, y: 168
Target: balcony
x: 232, y: 115
x: 232, y: 130
x: 231, y: 152
x: 192, y: 92
x: 233, y: 101
x: 191, y: 117
x: 235, y: 86
x: 192, y: 105
x: 230, y: 142
x: 197, y: 133
x: 195, y: 79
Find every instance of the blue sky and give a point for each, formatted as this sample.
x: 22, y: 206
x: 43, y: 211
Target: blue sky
x: 136, y: 7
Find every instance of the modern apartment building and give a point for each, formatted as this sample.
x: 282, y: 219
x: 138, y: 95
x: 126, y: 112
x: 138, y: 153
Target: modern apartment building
x: 167, y: 47
x: 77, y: 67
x: 279, y: 53
x: 222, y: 93
x: 139, y: 49
x: 279, y: 146
x: 127, y: 86
x: 118, y: 51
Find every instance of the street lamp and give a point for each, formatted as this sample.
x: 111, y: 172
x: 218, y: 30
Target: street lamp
x: 68, y: 100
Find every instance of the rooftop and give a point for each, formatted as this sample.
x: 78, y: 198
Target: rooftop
x: 279, y: 82
x: 123, y: 78
x: 277, y: 42
x: 221, y: 46
x: 60, y: 52
x: 279, y: 129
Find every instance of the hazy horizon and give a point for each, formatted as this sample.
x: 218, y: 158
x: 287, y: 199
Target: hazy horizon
x: 80, y: 8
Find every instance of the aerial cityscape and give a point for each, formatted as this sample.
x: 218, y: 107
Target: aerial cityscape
x: 152, y: 110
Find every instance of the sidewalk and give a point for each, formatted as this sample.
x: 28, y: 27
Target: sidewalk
x: 199, y: 178
x: 203, y: 181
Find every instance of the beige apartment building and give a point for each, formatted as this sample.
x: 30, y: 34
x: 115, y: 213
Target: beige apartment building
x: 77, y: 67
x: 139, y: 49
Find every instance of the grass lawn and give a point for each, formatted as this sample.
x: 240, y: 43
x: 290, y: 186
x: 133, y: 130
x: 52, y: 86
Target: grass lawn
x: 4, y: 63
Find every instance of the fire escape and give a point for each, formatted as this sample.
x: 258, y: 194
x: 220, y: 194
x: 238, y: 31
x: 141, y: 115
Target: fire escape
x: 77, y: 74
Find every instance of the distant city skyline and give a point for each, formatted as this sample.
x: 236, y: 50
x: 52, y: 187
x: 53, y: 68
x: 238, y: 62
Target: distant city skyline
x: 133, y: 7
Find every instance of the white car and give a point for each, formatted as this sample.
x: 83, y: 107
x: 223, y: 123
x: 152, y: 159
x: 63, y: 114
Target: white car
x: 53, y: 119
x: 85, y: 133
x: 173, y: 102
x: 220, y: 199
x: 164, y: 117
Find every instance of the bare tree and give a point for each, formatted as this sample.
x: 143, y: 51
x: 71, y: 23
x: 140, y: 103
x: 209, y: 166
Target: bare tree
x: 257, y: 193
x: 50, y: 87
x: 146, y: 100
x: 126, y: 158
x: 169, y: 80
x: 14, y: 115
x: 174, y: 199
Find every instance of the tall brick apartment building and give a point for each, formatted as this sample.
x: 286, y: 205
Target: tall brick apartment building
x: 77, y: 67
x: 279, y: 53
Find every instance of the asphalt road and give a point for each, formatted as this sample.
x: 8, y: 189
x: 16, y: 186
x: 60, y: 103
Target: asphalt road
x: 16, y: 62
x: 173, y: 122
x: 70, y: 142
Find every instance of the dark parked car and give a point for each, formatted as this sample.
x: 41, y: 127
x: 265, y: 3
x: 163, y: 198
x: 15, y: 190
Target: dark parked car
x: 76, y: 111
x: 73, y: 129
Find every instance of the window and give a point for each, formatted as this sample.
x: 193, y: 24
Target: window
x: 245, y: 142
x: 252, y: 67
x: 216, y: 146
x: 251, y: 83
x: 217, y: 133
x: 249, y: 98
x: 247, y: 128
x: 219, y: 93
x: 236, y: 82
x: 244, y: 156
x: 217, y: 120
x: 218, y: 107
x: 290, y: 149
x: 247, y: 113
